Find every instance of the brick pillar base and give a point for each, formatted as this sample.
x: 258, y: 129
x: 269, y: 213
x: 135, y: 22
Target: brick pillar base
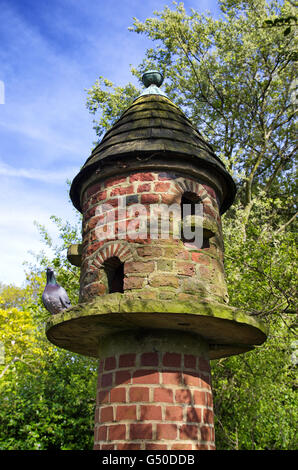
x: 154, y: 393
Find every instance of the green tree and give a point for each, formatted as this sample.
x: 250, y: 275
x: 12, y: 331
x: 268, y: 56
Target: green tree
x: 19, y: 342
x: 234, y: 79
x: 255, y: 394
x: 47, y: 395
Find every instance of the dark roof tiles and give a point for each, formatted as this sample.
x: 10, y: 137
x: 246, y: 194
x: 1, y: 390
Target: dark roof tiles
x: 151, y: 124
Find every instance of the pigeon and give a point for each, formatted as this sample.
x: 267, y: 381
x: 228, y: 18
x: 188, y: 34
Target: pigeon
x: 54, y: 297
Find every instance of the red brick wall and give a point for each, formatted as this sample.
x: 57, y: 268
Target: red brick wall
x: 160, y: 267
x: 151, y: 400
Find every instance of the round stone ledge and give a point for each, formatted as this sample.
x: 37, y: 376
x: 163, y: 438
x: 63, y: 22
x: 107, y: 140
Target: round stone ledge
x: 227, y: 330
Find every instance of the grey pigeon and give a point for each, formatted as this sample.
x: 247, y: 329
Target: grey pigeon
x: 54, y: 297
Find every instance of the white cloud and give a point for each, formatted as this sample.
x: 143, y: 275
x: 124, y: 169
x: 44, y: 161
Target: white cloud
x: 36, y: 174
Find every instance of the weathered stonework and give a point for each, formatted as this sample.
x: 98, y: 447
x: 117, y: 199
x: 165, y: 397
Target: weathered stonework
x: 166, y: 263
x: 82, y: 328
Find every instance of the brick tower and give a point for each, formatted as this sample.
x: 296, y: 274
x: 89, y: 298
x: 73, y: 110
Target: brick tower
x: 153, y: 303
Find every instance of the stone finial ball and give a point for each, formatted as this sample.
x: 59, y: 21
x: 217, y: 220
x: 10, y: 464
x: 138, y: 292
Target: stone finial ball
x: 152, y: 77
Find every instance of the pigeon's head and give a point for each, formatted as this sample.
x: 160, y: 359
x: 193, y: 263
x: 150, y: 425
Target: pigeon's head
x: 51, y: 276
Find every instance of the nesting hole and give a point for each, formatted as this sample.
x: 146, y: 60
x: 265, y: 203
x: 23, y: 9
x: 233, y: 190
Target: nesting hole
x: 191, y: 199
x: 114, y: 270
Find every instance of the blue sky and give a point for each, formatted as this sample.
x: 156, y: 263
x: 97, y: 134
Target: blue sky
x: 50, y: 53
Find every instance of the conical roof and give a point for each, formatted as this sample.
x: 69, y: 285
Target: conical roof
x: 153, y: 126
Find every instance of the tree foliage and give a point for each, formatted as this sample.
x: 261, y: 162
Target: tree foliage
x: 235, y: 81
x: 47, y: 395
